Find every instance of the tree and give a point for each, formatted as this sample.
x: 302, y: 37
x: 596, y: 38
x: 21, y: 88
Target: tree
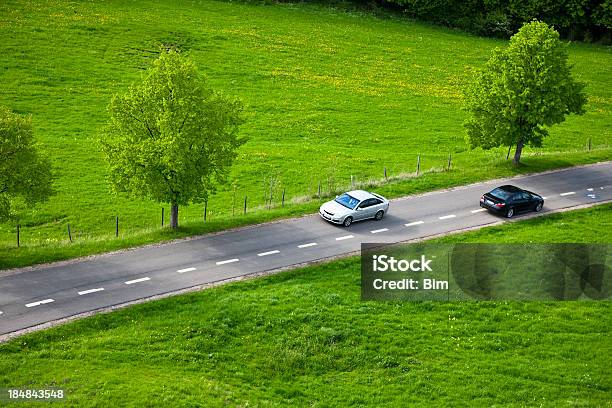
x: 25, y: 174
x: 522, y: 90
x: 171, y: 137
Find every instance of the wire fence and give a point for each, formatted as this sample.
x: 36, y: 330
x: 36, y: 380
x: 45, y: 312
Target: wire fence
x: 275, y: 195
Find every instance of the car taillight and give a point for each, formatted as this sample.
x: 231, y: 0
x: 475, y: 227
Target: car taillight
x: 500, y: 204
x: 481, y: 198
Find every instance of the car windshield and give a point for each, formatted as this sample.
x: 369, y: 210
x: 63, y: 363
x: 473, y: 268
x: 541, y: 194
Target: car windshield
x: 501, y: 194
x: 347, y: 201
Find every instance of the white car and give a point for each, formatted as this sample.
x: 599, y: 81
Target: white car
x: 356, y: 205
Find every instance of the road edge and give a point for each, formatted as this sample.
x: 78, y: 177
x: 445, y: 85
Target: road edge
x: 108, y: 309
x: 14, y: 271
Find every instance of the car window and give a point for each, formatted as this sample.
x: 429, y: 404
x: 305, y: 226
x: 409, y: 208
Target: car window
x: 499, y: 193
x: 347, y: 201
x: 366, y: 203
x: 520, y: 196
x: 376, y: 201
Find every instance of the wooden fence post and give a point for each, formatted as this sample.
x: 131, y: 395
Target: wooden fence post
x: 234, y: 201
x: 418, y: 164
x: 69, y: 234
x: 116, y: 226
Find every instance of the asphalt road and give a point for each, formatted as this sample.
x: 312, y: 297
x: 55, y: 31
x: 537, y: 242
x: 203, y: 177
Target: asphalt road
x: 31, y: 297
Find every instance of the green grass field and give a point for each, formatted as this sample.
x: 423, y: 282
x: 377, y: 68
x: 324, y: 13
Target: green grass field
x: 329, y: 94
x: 303, y: 338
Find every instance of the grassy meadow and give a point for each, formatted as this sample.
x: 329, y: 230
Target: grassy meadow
x: 329, y: 94
x: 303, y: 338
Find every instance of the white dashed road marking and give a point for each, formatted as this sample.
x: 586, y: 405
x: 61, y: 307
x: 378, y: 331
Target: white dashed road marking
x: 379, y: 230
x: 479, y: 210
x: 344, y: 237
x: 568, y: 193
x: 268, y: 253
x: 589, y: 189
x: 414, y: 223
x: 228, y: 261
x: 186, y: 270
x: 40, y: 302
x: 137, y: 280
x: 446, y: 217
x: 88, y: 291
x: 310, y: 244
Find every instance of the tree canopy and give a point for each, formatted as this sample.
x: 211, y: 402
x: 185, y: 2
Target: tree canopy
x: 522, y: 90
x: 25, y: 173
x: 576, y: 19
x: 171, y: 137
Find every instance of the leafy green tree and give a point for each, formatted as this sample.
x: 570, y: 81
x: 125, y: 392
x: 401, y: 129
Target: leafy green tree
x: 171, y: 137
x: 25, y: 174
x: 522, y: 90
x: 602, y: 15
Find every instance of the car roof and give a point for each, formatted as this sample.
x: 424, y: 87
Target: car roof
x: 509, y: 188
x: 360, y: 194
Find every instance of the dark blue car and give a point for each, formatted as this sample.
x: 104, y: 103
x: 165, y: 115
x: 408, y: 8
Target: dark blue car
x: 510, y: 200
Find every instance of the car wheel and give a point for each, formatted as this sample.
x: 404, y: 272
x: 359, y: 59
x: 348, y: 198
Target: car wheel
x: 347, y: 221
x: 379, y: 215
x: 539, y: 206
x: 510, y: 213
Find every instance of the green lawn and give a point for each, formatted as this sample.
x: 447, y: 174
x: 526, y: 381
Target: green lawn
x: 329, y: 94
x: 303, y: 338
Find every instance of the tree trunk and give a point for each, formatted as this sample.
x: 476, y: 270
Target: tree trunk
x: 517, y: 153
x: 174, y: 216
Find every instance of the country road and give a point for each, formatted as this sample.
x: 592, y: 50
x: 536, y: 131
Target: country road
x: 44, y: 294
